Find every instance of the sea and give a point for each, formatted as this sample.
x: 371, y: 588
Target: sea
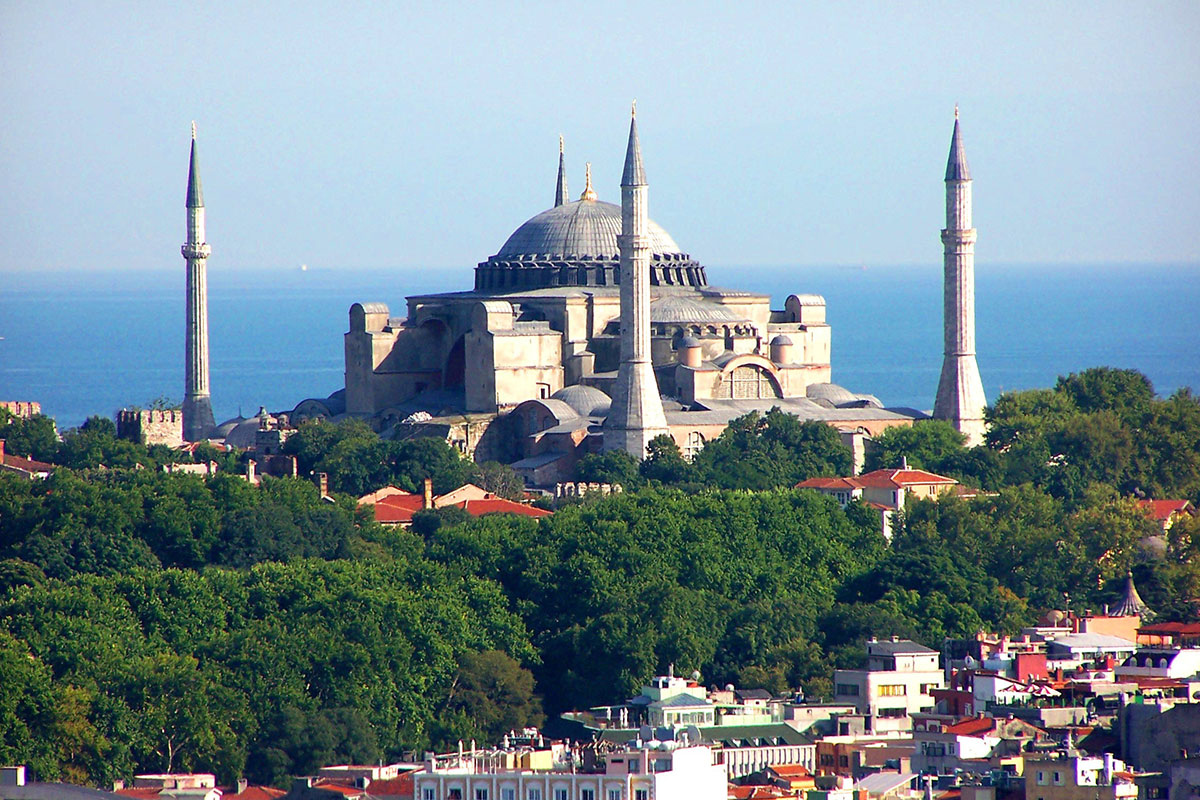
x: 90, y: 343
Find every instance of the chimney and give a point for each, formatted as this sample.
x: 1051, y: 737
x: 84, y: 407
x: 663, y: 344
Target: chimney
x: 323, y: 483
x: 903, y: 462
x: 242, y: 783
x: 251, y: 472
x: 427, y: 502
x: 1, y: 451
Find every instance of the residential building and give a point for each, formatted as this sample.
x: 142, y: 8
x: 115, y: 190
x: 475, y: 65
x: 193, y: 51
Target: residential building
x: 955, y: 746
x: 1072, y: 776
x: 1166, y: 512
x: 662, y: 770
x: 394, y: 506
x: 23, y: 466
x: 886, y: 490
x: 899, y: 680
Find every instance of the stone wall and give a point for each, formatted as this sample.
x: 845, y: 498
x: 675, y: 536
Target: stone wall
x: 21, y: 408
x: 152, y: 426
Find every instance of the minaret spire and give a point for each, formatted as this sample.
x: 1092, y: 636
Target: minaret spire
x: 560, y: 190
x: 960, y: 398
x: 636, y: 415
x: 198, y: 420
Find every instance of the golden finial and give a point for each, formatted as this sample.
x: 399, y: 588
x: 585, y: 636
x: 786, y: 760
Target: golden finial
x: 560, y: 144
x: 633, y: 111
x: 588, y: 192
x: 956, y: 112
x: 193, y: 130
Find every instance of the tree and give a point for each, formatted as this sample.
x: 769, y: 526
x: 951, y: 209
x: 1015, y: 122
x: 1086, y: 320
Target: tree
x: 499, y: 479
x: 613, y: 466
x: 664, y: 463
x: 35, y: 438
x: 491, y: 694
x: 928, y: 444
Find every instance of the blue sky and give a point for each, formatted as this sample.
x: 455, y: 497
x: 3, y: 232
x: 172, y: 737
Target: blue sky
x: 356, y: 135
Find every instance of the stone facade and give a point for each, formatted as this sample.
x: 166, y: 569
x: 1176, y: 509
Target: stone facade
x: 151, y: 426
x: 21, y: 408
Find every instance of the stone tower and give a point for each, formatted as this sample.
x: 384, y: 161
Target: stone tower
x: 636, y: 415
x: 960, y: 398
x: 560, y: 190
x: 198, y: 420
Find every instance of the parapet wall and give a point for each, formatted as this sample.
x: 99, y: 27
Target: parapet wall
x: 152, y: 426
x: 21, y: 408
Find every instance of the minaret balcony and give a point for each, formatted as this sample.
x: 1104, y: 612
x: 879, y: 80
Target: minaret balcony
x: 190, y: 250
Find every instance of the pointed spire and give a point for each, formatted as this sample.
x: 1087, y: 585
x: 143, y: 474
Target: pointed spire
x: 956, y: 166
x: 560, y: 191
x: 588, y: 192
x: 634, y: 175
x: 195, y: 193
x: 1132, y: 604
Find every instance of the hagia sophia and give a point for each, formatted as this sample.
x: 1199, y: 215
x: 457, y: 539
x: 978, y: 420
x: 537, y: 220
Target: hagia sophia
x: 590, y: 329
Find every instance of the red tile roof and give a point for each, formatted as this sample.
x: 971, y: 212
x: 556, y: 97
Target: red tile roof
x: 899, y: 478
x: 846, y: 484
x: 1163, y: 510
x: 1168, y: 628
x: 25, y: 464
x: 498, y: 505
x: 401, y: 786
x: 398, y: 508
x: 976, y: 726
x: 254, y: 793
x: 145, y: 793
x: 879, y: 479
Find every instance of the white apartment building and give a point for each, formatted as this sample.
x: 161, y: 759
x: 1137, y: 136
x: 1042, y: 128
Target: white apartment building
x: 898, y: 681
x: 642, y: 771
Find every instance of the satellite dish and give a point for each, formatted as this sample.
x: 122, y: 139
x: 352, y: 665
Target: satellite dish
x: 970, y: 663
x: 696, y: 675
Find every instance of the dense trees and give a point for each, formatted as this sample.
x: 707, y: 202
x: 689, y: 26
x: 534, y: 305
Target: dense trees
x: 151, y: 622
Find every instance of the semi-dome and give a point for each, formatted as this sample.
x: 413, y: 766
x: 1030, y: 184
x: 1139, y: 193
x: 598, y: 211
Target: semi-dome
x: 573, y: 230
x: 588, y: 401
x: 679, y: 310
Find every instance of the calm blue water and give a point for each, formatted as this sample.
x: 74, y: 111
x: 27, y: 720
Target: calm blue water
x: 85, y: 344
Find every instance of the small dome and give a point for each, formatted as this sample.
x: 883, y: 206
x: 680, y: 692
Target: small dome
x: 587, y: 401
x: 582, y: 228
x: 830, y: 391
x: 674, y: 309
x: 223, y: 430
x: 688, y: 341
x: 781, y: 341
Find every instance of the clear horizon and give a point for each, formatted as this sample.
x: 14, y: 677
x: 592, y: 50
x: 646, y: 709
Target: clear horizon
x: 420, y: 137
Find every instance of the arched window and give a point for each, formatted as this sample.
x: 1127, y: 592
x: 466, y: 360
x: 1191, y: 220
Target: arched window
x: 695, y: 443
x: 748, y: 382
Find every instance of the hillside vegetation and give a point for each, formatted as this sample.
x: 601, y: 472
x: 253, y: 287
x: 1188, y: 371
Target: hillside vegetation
x: 153, y: 622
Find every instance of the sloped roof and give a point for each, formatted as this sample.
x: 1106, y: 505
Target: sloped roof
x: 976, y: 726
x: 899, y: 478
x: 1163, y: 510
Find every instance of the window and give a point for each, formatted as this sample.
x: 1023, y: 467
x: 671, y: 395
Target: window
x: 427, y: 794
x: 847, y: 689
x: 892, y: 713
x: 614, y: 794
x: 454, y: 794
x: 534, y: 793
x: 641, y: 794
x: 508, y: 794
x: 695, y: 443
x: 481, y: 794
x: 1041, y: 778
x: 826, y: 760
x: 893, y: 690
x: 950, y: 749
x: 843, y: 761
x: 587, y: 794
x: 1057, y: 778
x: 927, y: 688
x: 560, y: 794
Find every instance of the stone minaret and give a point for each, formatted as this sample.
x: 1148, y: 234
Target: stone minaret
x: 560, y: 191
x: 636, y: 415
x: 198, y: 420
x: 960, y: 398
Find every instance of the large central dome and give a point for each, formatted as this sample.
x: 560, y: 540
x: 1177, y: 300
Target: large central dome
x: 575, y: 244
x: 582, y: 228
